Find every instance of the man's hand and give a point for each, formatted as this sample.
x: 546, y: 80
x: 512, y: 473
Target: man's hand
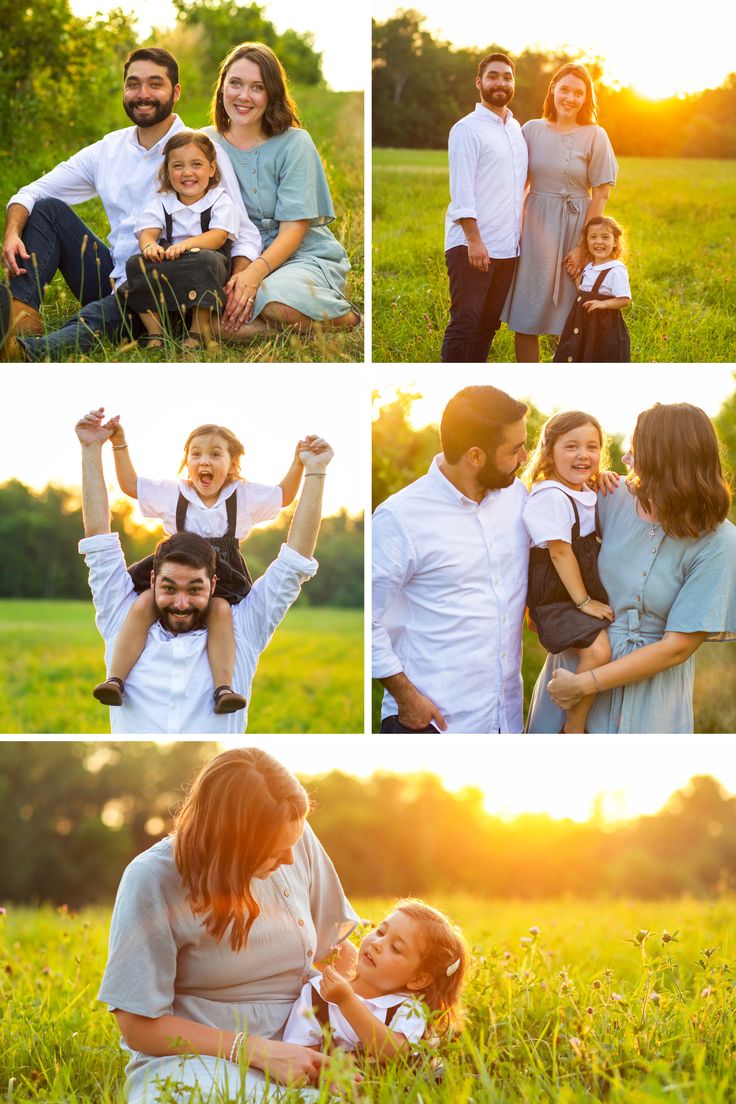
x: 478, y: 256
x: 416, y: 710
x: 334, y: 987
x: 91, y: 430
x: 315, y: 454
x: 14, y: 251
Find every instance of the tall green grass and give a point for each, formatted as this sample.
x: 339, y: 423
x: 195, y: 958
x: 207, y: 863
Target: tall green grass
x: 309, y: 679
x: 335, y: 121
x: 680, y: 222
x: 568, y: 1001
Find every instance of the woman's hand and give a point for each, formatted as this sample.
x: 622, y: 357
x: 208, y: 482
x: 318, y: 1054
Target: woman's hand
x: 566, y: 689
x: 287, y: 1063
x: 241, y: 290
x: 597, y: 609
x: 573, y: 262
x: 607, y: 482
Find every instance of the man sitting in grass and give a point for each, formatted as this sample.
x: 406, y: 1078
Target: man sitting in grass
x: 170, y: 687
x: 44, y: 236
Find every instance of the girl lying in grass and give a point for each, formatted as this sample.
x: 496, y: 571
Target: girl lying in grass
x: 410, y: 968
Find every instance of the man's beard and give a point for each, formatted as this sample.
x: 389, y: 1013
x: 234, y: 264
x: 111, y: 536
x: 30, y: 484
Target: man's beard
x: 161, y: 111
x: 492, y: 478
x: 495, y: 96
x: 172, y: 623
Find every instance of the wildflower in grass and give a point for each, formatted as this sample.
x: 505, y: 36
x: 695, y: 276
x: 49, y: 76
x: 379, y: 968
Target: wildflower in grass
x: 534, y: 930
x: 654, y: 997
x: 707, y: 991
x: 667, y: 938
x: 525, y: 941
x: 596, y: 985
x: 3, y: 911
x: 617, y: 997
x: 589, y: 1010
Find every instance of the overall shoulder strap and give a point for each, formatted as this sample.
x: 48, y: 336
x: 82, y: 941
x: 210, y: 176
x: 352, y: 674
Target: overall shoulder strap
x: 182, y: 505
x: 599, y: 280
x: 391, y: 1012
x: 576, y: 527
x: 231, y: 505
x: 204, y: 219
x: 169, y: 229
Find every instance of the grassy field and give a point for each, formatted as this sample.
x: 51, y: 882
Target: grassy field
x: 335, y: 121
x: 715, y: 684
x: 680, y: 221
x: 310, y: 678
x: 568, y: 1001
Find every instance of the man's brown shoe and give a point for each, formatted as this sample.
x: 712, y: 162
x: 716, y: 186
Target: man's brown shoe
x: 15, y: 318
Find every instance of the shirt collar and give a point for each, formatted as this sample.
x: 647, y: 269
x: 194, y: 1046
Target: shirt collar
x: 207, y: 200
x: 486, y: 113
x: 588, y: 497
x: 387, y: 1000
x: 159, y: 146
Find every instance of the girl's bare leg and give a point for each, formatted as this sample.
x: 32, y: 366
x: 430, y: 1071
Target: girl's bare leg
x: 152, y: 325
x: 221, y: 656
x: 527, y: 348
x: 595, y: 655
x: 130, y: 642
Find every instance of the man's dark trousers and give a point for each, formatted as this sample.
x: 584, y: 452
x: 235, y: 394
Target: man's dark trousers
x: 60, y: 241
x: 476, y: 302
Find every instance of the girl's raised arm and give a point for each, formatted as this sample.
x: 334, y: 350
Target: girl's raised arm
x: 126, y: 473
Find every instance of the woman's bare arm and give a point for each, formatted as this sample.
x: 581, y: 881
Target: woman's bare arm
x: 164, y: 1035
x: 567, y: 689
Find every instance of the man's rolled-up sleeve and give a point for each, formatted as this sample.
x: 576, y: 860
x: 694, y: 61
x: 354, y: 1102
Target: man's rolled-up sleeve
x: 463, y: 159
x: 266, y: 604
x: 392, y: 567
x: 73, y: 181
x: 112, y: 588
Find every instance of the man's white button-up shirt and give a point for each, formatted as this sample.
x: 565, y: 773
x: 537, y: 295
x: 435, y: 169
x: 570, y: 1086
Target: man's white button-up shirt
x: 124, y: 175
x: 449, y: 593
x: 488, y: 169
x: 170, y: 688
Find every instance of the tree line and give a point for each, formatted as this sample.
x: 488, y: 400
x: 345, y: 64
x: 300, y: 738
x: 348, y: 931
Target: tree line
x: 61, y: 74
x: 72, y: 815
x: 412, y: 70
x: 402, y: 454
x: 39, y: 532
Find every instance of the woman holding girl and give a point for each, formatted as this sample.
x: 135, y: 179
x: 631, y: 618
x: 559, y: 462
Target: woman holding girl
x: 300, y: 276
x: 571, y: 171
x: 668, y: 564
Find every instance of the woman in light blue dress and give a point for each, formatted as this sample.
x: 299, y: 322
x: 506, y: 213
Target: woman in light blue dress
x: 668, y: 563
x: 300, y: 276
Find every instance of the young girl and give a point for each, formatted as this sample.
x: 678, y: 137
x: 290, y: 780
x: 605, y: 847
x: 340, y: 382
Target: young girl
x: 215, y: 502
x: 566, y: 600
x: 184, y: 270
x: 595, y: 331
x: 412, y: 964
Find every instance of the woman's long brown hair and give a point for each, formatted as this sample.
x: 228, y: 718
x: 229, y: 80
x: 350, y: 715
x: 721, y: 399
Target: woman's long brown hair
x: 281, y: 111
x: 677, y: 475
x: 230, y: 820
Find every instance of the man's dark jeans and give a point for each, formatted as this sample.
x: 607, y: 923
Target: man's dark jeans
x: 61, y: 242
x: 476, y: 302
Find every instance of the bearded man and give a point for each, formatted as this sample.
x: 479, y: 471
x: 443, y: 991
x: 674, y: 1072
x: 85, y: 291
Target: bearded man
x: 488, y: 170
x: 450, y: 562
